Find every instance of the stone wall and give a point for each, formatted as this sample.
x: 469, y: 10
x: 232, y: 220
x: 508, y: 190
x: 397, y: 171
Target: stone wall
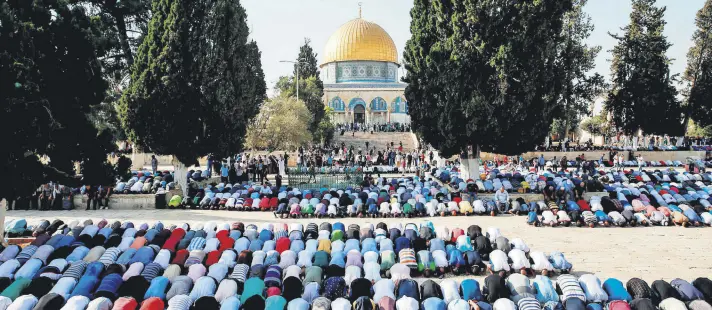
x: 123, y: 202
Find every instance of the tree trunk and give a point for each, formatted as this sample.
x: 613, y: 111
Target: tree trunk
x: 470, y: 166
x: 123, y: 38
x: 3, y: 207
x: 180, y: 170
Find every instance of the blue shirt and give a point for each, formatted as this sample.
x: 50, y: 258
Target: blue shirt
x: 470, y: 290
x: 558, y: 260
x: 224, y: 171
x: 456, y: 258
x: 368, y: 244
x: 615, y: 290
x: 601, y: 216
x: 337, y: 258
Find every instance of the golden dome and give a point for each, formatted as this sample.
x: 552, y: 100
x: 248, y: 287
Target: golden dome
x: 360, y: 40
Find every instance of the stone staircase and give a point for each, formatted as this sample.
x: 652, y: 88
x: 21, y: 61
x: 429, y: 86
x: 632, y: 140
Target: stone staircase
x: 379, y: 140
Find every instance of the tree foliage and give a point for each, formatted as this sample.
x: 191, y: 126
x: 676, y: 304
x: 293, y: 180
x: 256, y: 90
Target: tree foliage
x: 50, y: 77
x: 563, y: 126
x: 642, y: 94
x: 283, y: 124
x: 325, y: 131
x: 307, y: 63
x: 119, y: 27
x: 694, y: 130
x: 311, y: 88
x: 596, y: 125
x: 698, y: 74
x: 487, y: 72
x: 577, y: 59
x: 196, y: 82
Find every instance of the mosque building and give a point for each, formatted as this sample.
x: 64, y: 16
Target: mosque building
x: 360, y: 73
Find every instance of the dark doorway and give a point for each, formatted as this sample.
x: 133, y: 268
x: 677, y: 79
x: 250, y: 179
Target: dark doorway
x: 359, y: 114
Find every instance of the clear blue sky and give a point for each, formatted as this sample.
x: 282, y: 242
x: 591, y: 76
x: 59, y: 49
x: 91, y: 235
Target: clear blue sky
x: 280, y: 26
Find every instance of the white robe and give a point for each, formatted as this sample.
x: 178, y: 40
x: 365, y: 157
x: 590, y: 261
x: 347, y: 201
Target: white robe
x: 282, y: 172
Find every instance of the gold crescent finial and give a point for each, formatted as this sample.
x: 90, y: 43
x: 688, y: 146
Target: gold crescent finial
x: 360, y: 4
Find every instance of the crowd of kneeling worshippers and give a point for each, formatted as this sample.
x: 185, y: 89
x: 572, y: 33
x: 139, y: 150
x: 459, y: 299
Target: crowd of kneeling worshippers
x: 626, y: 198
x: 680, y: 199
x: 83, y: 265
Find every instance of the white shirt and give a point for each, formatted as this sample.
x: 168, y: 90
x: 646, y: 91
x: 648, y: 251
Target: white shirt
x: 493, y: 233
x: 305, y: 258
x: 372, y: 271
x: 563, y: 216
x: 340, y: 304
x: 383, y: 288
x: 292, y: 271
x: 499, y: 261
x: 548, y: 216
x: 385, y: 207
x: 519, y: 259
x: 518, y: 243
x: 591, y: 286
x: 504, y: 304
x: 541, y: 262
x: 400, y: 272
x: 352, y: 273
x: 406, y: 303
x: 370, y: 257
x: 617, y: 217
x: 395, y: 208
x: 478, y: 206
x: 672, y: 304
x: 440, y: 258
x: 443, y: 233
x: 287, y: 258
x: 706, y: 217
x: 450, y: 290
x: 23, y: 302
x: 258, y: 258
x: 337, y: 246
x: 324, y: 235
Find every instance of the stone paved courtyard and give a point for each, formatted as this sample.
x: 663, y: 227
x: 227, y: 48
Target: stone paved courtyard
x: 649, y: 253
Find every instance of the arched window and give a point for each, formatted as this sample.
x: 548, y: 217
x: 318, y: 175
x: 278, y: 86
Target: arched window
x: 356, y: 101
x: 400, y: 105
x: 337, y: 104
x: 378, y: 104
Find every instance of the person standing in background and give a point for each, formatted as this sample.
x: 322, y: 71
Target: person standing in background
x: 253, y: 170
x: 91, y: 193
x: 281, y: 164
x: 224, y: 173
x: 56, y: 198
x: 209, y: 165
x: 261, y: 170
x: 46, y: 197
x: 154, y: 164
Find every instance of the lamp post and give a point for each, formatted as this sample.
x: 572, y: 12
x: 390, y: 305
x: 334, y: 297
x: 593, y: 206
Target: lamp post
x: 298, y: 61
